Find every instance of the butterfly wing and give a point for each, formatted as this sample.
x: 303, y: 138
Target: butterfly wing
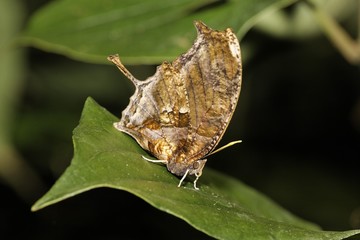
x: 211, y: 70
x: 157, y: 116
x: 181, y: 113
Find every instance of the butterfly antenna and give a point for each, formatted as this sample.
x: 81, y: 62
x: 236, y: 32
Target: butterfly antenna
x: 226, y: 146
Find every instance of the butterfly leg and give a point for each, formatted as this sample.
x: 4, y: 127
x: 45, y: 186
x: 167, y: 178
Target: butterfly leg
x: 154, y: 160
x: 182, y: 179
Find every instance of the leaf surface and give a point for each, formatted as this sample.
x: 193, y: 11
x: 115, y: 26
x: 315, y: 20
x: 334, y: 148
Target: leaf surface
x: 223, y: 208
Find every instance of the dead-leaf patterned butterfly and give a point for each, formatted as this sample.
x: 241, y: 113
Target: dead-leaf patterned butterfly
x: 181, y: 112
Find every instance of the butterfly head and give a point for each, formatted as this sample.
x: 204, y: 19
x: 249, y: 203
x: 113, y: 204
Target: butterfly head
x: 182, y: 168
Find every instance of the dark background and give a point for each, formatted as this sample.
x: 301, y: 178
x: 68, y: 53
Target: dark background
x: 298, y: 117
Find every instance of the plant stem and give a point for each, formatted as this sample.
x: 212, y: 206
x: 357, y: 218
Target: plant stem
x: 348, y: 47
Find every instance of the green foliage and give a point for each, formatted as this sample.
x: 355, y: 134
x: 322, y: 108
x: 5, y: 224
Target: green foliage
x: 140, y: 31
x: 223, y: 207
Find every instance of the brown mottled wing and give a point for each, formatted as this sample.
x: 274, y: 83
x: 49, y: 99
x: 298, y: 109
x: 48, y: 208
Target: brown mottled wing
x: 181, y: 112
x: 212, y: 73
x: 158, y: 113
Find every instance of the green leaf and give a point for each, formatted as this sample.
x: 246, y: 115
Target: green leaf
x: 139, y: 31
x: 223, y: 208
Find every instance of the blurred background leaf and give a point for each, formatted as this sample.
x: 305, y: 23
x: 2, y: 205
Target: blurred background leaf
x: 140, y: 31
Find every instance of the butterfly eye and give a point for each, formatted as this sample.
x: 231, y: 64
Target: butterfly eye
x: 196, y: 165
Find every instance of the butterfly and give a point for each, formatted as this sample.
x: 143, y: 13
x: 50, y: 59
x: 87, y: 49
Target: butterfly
x: 180, y: 113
